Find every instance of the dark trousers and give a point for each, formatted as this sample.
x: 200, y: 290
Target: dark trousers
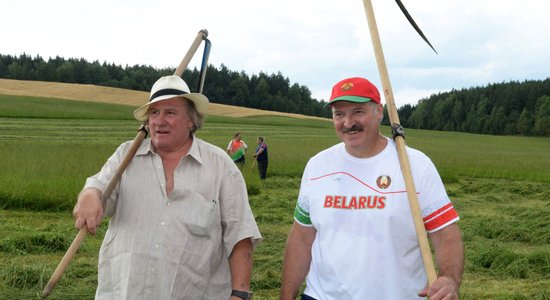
x: 262, y: 168
x: 240, y: 160
x: 306, y: 297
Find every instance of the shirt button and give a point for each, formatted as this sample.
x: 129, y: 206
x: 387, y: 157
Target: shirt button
x: 162, y: 223
x: 156, y: 246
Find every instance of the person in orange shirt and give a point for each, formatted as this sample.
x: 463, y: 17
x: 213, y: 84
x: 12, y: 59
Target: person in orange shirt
x: 236, y: 149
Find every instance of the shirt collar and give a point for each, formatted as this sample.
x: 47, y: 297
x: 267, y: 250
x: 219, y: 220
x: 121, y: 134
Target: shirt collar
x: 194, y: 151
x: 146, y: 147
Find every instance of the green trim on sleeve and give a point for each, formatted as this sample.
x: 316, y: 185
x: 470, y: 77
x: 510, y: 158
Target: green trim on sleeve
x: 301, y: 216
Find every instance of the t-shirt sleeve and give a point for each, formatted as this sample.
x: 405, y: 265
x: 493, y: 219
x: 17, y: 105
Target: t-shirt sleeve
x: 437, y: 209
x: 301, y: 211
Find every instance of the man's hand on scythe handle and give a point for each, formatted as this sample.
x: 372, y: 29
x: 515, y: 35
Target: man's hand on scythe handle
x: 400, y: 144
x: 142, y: 133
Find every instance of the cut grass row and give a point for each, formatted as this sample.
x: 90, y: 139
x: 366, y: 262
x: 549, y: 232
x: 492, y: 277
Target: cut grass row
x: 507, y: 244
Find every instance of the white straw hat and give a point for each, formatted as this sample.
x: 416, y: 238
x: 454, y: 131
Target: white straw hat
x: 168, y: 87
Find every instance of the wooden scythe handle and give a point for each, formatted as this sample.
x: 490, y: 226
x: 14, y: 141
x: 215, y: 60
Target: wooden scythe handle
x: 203, y: 34
x: 56, y: 276
x: 400, y: 145
x: 75, y: 245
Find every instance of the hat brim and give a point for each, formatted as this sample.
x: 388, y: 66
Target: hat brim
x: 200, y: 101
x: 356, y: 99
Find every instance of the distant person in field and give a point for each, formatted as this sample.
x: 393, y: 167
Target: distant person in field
x: 261, y: 157
x: 353, y: 235
x: 236, y: 149
x: 181, y: 226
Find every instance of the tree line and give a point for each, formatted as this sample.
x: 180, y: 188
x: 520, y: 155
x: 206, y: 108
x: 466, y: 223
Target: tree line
x: 262, y: 91
x: 508, y: 108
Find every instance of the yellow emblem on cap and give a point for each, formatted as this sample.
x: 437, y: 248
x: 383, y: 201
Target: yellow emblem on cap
x: 346, y: 86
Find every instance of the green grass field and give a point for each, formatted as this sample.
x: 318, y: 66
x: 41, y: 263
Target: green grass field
x: 500, y: 186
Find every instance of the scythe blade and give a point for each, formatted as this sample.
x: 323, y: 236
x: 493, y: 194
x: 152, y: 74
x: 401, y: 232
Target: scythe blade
x: 413, y: 23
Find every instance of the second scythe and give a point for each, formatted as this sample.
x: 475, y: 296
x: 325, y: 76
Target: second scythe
x: 400, y: 142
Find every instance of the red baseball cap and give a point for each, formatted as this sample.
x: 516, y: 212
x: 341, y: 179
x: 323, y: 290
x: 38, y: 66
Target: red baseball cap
x: 355, y: 89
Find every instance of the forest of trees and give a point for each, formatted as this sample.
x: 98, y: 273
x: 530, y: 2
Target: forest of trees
x: 508, y: 108
x: 263, y: 91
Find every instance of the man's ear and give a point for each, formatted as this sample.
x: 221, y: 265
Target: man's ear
x: 380, y: 110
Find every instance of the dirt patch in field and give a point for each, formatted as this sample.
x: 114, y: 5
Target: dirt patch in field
x: 89, y: 92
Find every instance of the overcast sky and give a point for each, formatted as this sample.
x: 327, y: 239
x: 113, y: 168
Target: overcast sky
x: 312, y: 42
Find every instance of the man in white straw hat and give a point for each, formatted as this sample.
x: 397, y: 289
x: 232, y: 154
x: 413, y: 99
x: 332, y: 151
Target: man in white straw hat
x: 181, y: 227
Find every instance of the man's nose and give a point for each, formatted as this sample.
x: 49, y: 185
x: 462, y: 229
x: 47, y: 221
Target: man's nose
x: 159, y: 119
x: 348, y: 121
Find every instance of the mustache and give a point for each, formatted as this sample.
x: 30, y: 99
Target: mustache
x: 353, y: 128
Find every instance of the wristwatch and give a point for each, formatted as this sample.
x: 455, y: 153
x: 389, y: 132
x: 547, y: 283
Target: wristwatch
x: 242, y: 294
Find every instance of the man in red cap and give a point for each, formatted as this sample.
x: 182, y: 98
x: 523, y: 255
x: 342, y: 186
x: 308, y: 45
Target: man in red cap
x: 353, y: 236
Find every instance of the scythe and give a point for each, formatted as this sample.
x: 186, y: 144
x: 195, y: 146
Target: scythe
x: 142, y: 133
x: 399, y: 137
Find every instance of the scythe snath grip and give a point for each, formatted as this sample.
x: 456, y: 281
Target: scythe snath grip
x: 202, y: 35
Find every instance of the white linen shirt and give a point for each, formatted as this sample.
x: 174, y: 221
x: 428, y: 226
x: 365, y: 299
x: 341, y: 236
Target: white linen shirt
x: 172, y: 247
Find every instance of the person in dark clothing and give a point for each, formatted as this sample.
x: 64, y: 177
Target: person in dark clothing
x: 261, y: 157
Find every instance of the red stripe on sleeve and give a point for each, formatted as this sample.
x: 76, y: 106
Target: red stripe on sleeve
x: 440, y: 220
x: 437, y: 212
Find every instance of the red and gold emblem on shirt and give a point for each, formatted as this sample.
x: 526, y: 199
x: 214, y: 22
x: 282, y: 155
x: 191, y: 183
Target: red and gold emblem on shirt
x: 346, y: 86
x: 383, y: 181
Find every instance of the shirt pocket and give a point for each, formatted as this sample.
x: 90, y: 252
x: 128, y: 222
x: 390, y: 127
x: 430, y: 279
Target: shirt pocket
x: 199, y: 214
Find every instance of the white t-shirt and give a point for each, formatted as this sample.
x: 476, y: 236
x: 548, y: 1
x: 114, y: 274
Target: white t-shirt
x: 366, y: 245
